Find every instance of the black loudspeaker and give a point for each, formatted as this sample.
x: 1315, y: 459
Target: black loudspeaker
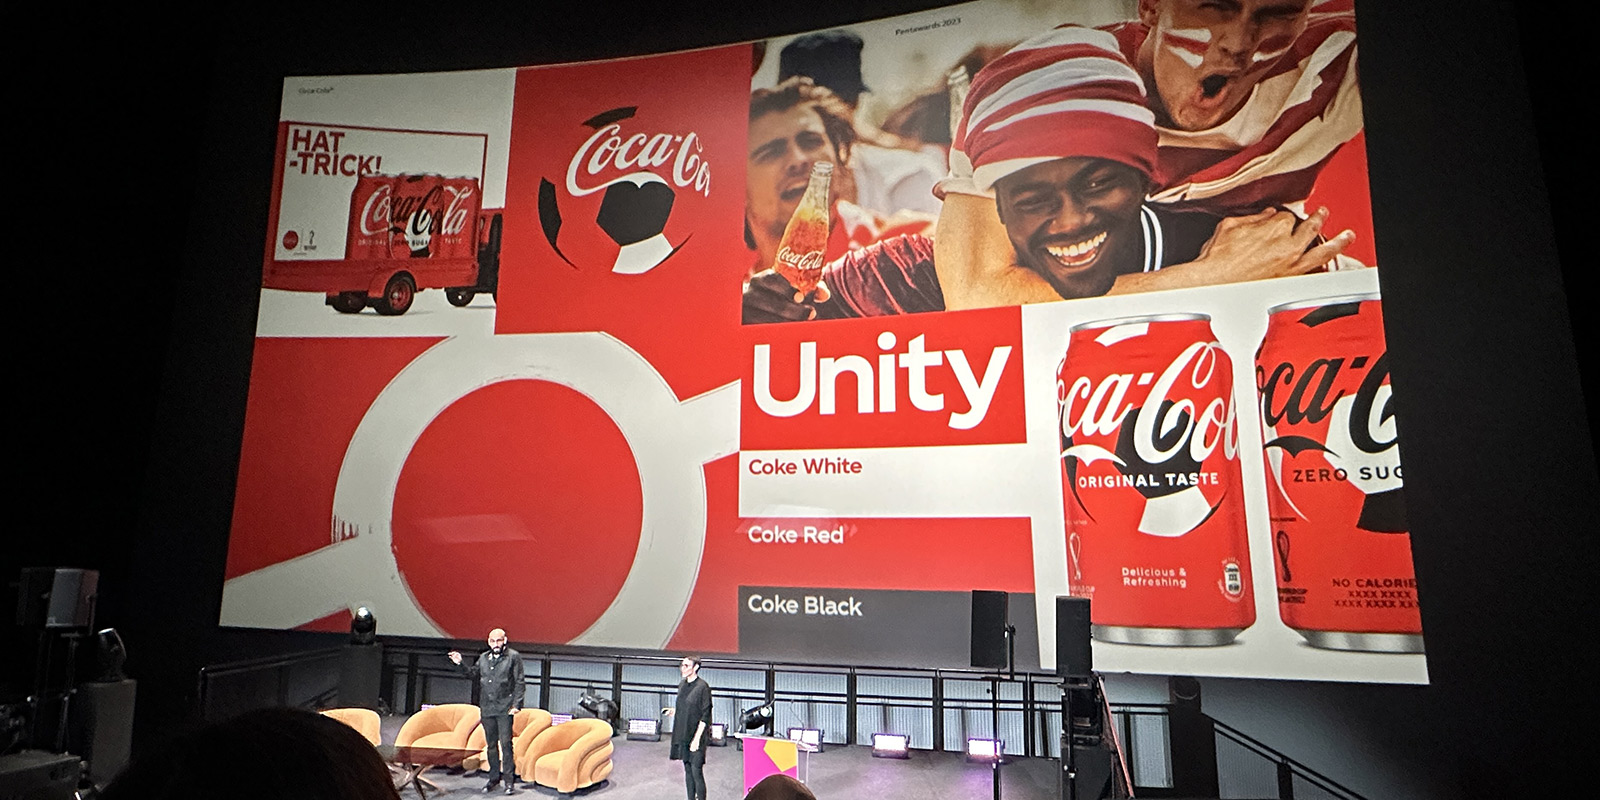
x: 990, y: 611
x: 1193, y: 737
x: 1093, y: 766
x: 360, y: 669
x: 51, y: 597
x: 1074, y: 659
x: 100, y: 726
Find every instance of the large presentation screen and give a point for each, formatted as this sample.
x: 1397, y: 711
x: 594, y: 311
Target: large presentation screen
x: 781, y: 349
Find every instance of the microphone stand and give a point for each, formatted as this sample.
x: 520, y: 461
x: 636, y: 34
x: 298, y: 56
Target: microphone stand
x: 994, y: 698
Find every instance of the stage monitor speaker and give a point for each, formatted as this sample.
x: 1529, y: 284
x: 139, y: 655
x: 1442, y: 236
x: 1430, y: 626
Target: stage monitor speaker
x: 53, y: 597
x: 100, y: 725
x: 1074, y: 659
x: 1094, y: 779
x: 360, y: 670
x: 990, y: 614
x: 38, y: 775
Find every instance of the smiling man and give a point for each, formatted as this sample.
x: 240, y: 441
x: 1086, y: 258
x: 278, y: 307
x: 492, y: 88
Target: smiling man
x: 1074, y: 221
x: 1252, y: 98
x: 793, y: 126
x: 1062, y: 137
x: 789, y: 132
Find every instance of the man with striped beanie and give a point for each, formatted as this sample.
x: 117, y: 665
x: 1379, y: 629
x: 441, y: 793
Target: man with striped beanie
x: 1059, y: 130
x: 1252, y: 99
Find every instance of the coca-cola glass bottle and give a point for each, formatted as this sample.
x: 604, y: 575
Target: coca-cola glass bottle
x: 958, y: 83
x: 800, y: 251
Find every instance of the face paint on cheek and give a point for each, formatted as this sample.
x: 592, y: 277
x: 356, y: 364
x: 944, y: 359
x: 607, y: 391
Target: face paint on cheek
x: 1271, y: 48
x: 1189, y: 45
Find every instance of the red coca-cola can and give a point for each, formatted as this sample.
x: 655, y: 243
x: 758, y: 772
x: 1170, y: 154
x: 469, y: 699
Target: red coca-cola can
x: 415, y: 215
x: 458, y: 214
x: 1341, y: 544
x: 368, y: 233
x: 1151, y: 485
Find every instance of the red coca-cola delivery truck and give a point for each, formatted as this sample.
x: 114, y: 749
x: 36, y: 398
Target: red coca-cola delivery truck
x: 404, y: 234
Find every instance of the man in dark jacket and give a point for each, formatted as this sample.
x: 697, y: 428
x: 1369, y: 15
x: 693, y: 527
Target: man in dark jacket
x: 499, y: 674
x: 691, y: 725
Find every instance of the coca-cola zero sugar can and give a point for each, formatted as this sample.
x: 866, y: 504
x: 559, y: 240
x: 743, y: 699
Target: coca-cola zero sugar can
x: 1341, y: 546
x: 454, y: 234
x: 1151, y: 485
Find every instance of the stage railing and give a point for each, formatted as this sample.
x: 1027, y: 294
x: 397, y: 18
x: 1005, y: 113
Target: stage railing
x: 937, y: 708
x: 1291, y: 778
x: 309, y: 678
x: 1142, y: 736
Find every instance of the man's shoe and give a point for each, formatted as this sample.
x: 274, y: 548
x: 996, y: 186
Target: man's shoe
x: 489, y: 787
x: 511, y: 788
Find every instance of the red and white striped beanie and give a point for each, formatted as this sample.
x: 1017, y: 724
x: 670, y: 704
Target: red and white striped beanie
x: 1065, y: 93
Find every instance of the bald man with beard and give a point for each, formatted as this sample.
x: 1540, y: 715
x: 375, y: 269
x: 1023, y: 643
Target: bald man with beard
x: 499, y: 674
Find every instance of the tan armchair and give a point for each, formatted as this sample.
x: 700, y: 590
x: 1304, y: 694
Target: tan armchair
x: 525, y: 725
x: 569, y: 756
x: 448, y: 725
x: 364, y: 720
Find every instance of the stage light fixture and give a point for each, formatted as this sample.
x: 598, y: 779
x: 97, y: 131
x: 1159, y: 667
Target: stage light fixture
x: 110, y: 655
x: 986, y: 751
x: 891, y: 745
x: 811, y: 737
x: 758, y: 717
x: 719, y: 735
x: 363, y: 626
x: 644, y: 730
x: 602, y: 708
x: 557, y: 719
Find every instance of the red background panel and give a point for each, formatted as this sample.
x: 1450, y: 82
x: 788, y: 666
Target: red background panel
x: 306, y: 398
x: 682, y: 315
x: 519, y: 507
x: 337, y: 622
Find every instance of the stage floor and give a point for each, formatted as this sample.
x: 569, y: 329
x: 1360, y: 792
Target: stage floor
x: 642, y: 771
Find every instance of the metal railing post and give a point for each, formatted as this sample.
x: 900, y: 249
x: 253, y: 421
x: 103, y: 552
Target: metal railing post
x: 1027, y: 716
x: 1126, y: 723
x: 850, y: 707
x: 544, y: 681
x: 412, y: 672
x: 1285, y: 781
